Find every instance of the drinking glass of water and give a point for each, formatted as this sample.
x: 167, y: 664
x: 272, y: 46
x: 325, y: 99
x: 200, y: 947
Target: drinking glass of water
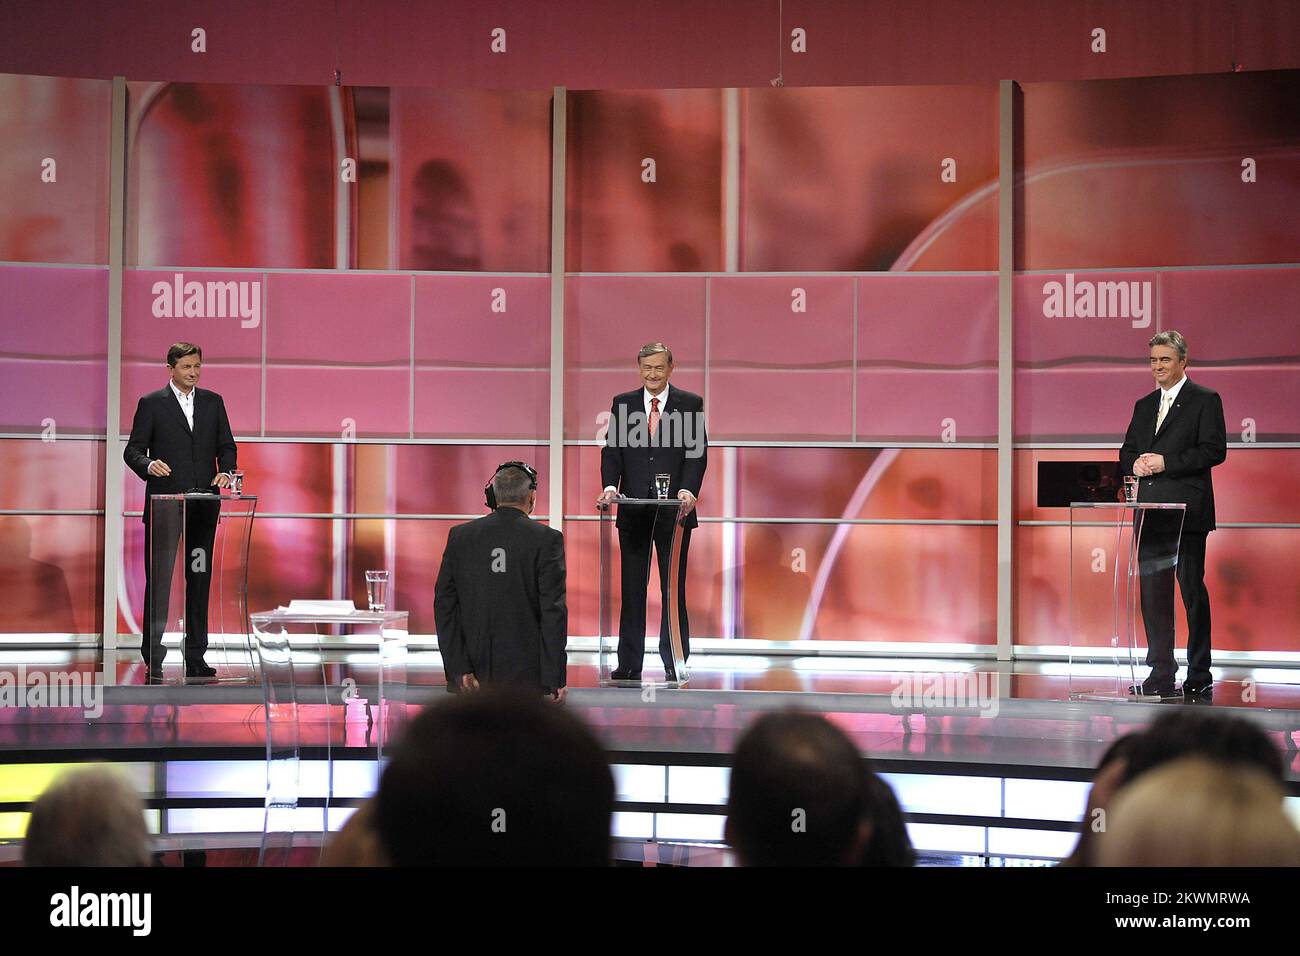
x: 377, y: 590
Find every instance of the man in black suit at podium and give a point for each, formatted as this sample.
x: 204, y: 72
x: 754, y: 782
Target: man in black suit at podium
x: 653, y: 430
x: 1176, y: 436
x: 180, y: 442
x: 499, y: 603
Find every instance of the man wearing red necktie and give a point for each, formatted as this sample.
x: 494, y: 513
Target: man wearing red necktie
x: 652, y: 430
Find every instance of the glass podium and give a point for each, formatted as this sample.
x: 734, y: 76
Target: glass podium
x: 198, y: 582
x: 1123, y: 555
x: 332, y: 679
x: 607, y: 638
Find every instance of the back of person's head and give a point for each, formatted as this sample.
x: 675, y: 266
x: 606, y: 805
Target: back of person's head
x: 1199, y: 812
x: 356, y: 843
x: 496, y: 778
x: 88, y: 817
x: 1110, y: 776
x: 798, y: 794
x: 1199, y: 732
x: 888, y: 843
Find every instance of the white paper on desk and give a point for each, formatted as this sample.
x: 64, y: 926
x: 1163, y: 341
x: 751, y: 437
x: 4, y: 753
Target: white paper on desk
x: 321, y: 607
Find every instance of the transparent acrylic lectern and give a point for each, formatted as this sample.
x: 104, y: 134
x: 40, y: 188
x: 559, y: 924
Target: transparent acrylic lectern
x: 607, y: 639
x: 330, y: 681
x: 1123, y: 555
x: 198, y: 593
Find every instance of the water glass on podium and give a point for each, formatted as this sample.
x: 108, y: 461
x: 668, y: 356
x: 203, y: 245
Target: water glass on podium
x: 377, y: 590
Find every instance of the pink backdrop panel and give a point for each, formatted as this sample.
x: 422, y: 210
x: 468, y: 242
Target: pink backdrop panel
x: 959, y: 405
x: 53, y: 343
x: 51, y: 571
x: 482, y: 403
x: 928, y: 583
x: 482, y: 354
x: 28, y: 463
x: 338, y: 348
x: 927, y: 357
x: 1159, y: 182
x: 775, y: 372
x: 607, y: 321
x: 1234, y: 313
x: 232, y: 344
x: 928, y: 321
x: 1243, y: 340
x: 473, y: 170
x: 848, y: 178
x: 780, y: 404
x: 1093, y: 403
x: 66, y: 121
x: 362, y: 402
x: 449, y: 479
x: 1042, y: 339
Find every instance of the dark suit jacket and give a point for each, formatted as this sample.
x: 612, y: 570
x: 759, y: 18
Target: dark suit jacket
x: 1192, y: 440
x: 630, y: 465
x: 161, y: 431
x: 508, y: 625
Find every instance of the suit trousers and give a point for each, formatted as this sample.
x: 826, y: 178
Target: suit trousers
x: 1158, y: 571
x: 634, y: 544
x: 162, y: 534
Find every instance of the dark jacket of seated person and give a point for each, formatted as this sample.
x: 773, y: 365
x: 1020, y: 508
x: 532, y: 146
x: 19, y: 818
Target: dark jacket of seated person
x: 499, y: 603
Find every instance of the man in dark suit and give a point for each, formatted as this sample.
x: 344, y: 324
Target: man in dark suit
x: 652, y: 430
x: 1176, y: 436
x: 180, y: 441
x: 499, y: 603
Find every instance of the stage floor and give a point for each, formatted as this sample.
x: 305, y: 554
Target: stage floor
x: 999, y: 779
x: 1022, y: 719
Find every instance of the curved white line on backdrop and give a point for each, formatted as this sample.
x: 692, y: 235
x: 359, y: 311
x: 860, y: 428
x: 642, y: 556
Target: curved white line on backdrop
x: 851, y: 510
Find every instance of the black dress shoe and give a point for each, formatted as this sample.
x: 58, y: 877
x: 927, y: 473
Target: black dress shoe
x: 620, y: 674
x: 1153, y: 688
x: 1198, y: 688
x: 200, y: 672
x: 155, y: 675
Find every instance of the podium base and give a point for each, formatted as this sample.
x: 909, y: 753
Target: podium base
x: 639, y: 684
x: 1131, y: 698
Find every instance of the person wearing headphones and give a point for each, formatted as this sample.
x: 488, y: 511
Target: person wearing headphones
x: 499, y: 603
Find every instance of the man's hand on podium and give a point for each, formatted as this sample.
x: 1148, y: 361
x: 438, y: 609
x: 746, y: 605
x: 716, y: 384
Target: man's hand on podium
x: 159, y: 468
x: 688, y: 502
x: 606, y: 497
x: 468, y: 682
x: 558, y: 696
x: 222, y: 480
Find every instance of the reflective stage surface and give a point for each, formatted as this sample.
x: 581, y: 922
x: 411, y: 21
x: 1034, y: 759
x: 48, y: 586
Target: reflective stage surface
x: 991, y: 762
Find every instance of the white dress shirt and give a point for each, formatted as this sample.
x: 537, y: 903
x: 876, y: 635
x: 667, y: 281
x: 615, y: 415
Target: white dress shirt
x: 1168, y: 397
x: 645, y: 400
x: 187, y: 403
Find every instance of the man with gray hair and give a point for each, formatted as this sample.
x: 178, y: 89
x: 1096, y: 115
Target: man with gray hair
x: 88, y: 817
x: 499, y: 603
x: 1176, y: 436
x: 653, y: 430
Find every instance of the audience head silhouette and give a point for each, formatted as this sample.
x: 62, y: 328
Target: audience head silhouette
x: 496, y: 778
x: 798, y: 794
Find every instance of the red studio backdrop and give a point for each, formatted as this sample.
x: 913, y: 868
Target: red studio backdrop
x: 821, y: 258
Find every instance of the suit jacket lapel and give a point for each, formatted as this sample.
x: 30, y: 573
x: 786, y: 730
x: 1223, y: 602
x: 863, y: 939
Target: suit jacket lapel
x: 200, y: 409
x: 1179, y: 400
x: 176, y: 409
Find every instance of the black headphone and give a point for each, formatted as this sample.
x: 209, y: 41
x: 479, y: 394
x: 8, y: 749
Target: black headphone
x: 490, y: 496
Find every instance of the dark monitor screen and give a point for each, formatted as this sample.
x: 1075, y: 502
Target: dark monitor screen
x: 1061, y: 482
